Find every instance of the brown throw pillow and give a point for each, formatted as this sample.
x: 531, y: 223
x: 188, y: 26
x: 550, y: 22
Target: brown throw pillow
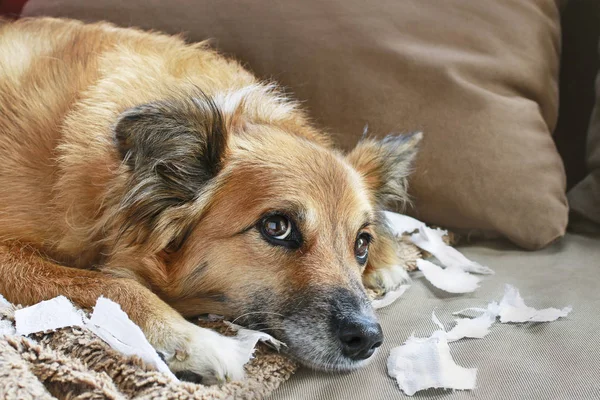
x: 479, y: 78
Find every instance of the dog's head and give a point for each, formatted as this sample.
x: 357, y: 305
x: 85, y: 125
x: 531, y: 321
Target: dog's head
x: 242, y: 212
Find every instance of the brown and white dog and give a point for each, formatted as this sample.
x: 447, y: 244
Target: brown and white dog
x: 168, y: 178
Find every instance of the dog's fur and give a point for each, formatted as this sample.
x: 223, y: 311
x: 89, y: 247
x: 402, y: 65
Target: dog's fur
x: 135, y: 166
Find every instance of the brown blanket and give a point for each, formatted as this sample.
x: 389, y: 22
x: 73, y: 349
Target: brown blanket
x: 72, y: 363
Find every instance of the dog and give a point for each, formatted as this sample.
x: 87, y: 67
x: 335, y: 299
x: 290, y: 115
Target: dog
x: 166, y: 177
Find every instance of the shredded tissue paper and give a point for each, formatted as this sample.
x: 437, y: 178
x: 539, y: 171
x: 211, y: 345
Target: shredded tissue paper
x: 250, y: 338
x: 389, y: 297
x: 424, y: 363
x: 450, y: 279
x: 6, y: 327
x: 453, y: 275
x: 512, y: 308
x: 108, y: 322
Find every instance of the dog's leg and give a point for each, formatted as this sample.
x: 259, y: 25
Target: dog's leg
x: 384, y: 271
x: 26, y: 278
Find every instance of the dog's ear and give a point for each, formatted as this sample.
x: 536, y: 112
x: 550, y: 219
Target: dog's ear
x: 172, y: 148
x: 385, y: 166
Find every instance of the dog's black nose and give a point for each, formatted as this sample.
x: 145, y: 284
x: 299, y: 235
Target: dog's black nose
x: 360, y: 337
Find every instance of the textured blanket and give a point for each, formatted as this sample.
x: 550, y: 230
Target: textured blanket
x: 72, y: 363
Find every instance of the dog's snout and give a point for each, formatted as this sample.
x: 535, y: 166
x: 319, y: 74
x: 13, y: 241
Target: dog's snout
x: 360, y: 337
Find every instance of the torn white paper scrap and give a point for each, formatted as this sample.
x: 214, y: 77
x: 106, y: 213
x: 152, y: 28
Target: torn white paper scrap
x: 113, y: 326
x: 513, y: 309
x: 426, y: 363
x: 436, y: 321
x: 52, y: 314
x: 390, y: 297
x: 247, y: 335
x: 432, y: 241
x: 3, y: 302
x: 253, y: 337
x: 550, y: 314
x: 249, y: 338
x: 451, y: 280
x: 5, y: 307
x: 401, y: 224
x: 493, y: 309
x: 476, y: 328
x: 6, y: 328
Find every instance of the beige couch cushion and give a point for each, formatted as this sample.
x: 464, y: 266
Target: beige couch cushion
x: 478, y: 77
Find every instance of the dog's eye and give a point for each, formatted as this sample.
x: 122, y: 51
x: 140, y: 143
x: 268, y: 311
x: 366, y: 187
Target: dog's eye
x: 279, y: 230
x: 361, y: 247
x: 277, y: 226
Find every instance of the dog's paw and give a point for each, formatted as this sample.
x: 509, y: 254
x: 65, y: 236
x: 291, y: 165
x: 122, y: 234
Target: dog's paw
x: 382, y: 280
x: 200, y: 355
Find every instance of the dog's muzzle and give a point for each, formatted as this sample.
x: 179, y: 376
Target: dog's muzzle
x: 331, y: 328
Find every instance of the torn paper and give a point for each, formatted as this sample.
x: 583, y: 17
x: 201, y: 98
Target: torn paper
x: 112, y: 325
x: 108, y: 321
x: 475, y: 328
x: 423, y: 363
x: 390, y: 297
x: 249, y: 338
x: 3, y: 302
x: 6, y: 328
x: 426, y: 363
x: 431, y: 240
x: 513, y: 309
x: 452, y: 280
x: 6, y: 309
x: 47, y: 315
x: 401, y: 224
x: 493, y: 309
x: 249, y: 335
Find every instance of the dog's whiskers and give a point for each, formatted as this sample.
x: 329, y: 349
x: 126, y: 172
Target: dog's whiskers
x: 255, y: 312
x: 257, y: 323
x: 263, y: 329
x: 268, y: 328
